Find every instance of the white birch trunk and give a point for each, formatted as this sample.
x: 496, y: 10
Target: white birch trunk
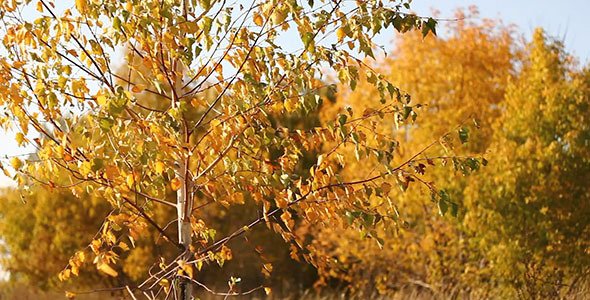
x: 184, y: 194
x: 184, y: 208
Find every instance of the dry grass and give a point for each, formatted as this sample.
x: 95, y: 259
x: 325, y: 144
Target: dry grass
x: 19, y: 291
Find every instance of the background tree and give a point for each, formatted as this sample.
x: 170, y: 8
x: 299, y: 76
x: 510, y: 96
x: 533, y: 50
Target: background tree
x: 528, y: 211
x: 456, y: 79
x: 37, y: 238
x: 519, y: 230
x: 58, y: 67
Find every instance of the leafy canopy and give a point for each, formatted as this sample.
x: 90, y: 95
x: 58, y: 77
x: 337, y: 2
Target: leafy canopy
x: 58, y: 87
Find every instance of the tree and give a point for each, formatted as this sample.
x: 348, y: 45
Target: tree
x: 456, y: 79
x: 528, y: 211
x: 57, y: 81
x: 39, y: 268
x: 36, y: 245
x: 521, y: 229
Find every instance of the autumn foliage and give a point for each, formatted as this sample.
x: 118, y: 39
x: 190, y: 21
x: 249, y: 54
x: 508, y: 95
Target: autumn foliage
x: 183, y: 148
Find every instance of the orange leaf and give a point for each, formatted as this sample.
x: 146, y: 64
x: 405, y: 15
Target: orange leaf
x: 175, y: 184
x: 138, y: 88
x: 81, y: 6
x: 68, y: 157
x: 111, y: 172
x: 340, y: 33
x: 258, y: 19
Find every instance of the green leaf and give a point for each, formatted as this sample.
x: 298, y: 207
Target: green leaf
x: 442, y: 207
x: 407, y: 111
x: 117, y: 23
x: 428, y: 26
x: 368, y: 220
x: 97, y: 164
x: 380, y: 242
x: 349, y: 218
x: 463, y: 135
x: 349, y: 110
x: 106, y: 123
x: 307, y: 39
x: 342, y: 119
x: 444, y: 196
x: 167, y: 14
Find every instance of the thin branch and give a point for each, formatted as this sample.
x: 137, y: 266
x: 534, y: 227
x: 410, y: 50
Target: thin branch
x: 220, y: 294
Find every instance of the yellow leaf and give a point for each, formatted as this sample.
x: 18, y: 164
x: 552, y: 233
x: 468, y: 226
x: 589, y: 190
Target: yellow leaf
x: 258, y: 19
x: 81, y: 256
x: 105, y: 268
x: 320, y: 160
x: 95, y: 245
x: 16, y: 163
x: 70, y: 295
x: 81, y: 6
x: 165, y: 283
x: 101, y: 100
x: 278, y: 16
x: 290, y: 104
x: 286, y: 217
x: 85, y: 168
x: 159, y: 167
x: 40, y: 6
x: 341, y: 34
x: 123, y: 246
x: 129, y: 6
x: 186, y: 268
x: 226, y: 253
x: 20, y: 138
x: 277, y: 106
x: 130, y: 180
x: 267, y: 290
x: 175, y: 184
x: 215, y: 122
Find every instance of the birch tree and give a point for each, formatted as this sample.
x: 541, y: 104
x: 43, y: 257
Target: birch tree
x: 264, y: 62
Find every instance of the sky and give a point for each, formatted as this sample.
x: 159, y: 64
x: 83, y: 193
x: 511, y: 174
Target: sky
x: 566, y: 20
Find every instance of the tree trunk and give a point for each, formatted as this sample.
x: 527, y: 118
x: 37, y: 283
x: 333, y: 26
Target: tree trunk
x: 184, y: 194
x: 184, y: 208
